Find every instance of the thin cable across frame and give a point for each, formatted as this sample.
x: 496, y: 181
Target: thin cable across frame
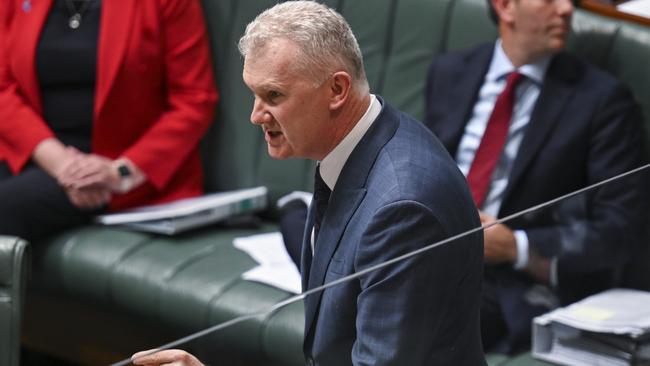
x: 389, y: 262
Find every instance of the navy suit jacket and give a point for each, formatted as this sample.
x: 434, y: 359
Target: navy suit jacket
x: 585, y: 127
x: 398, y: 191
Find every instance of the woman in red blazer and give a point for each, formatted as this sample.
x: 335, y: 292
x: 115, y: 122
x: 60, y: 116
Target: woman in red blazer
x: 102, y: 105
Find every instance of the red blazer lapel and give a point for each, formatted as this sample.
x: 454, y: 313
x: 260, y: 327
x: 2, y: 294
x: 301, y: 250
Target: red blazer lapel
x: 24, y: 47
x: 115, y: 26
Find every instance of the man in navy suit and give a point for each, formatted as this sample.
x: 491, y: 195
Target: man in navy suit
x: 571, y: 125
x: 385, y: 187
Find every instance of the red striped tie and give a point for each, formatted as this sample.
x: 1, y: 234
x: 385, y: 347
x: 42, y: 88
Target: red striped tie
x: 493, y: 141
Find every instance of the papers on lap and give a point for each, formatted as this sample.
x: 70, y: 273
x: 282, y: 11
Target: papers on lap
x: 174, y: 217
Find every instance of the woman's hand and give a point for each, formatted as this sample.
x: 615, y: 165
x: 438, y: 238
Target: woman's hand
x: 88, y: 171
x: 52, y: 156
x: 95, y: 171
x: 89, y: 198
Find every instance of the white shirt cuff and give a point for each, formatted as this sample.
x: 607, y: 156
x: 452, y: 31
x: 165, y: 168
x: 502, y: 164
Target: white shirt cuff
x: 522, y: 249
x: 305, y: 197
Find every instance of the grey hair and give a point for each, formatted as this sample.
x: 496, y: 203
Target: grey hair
x: 324, y: 39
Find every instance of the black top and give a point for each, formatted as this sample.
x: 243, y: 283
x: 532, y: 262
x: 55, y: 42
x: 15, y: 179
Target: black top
x: 66, y: 63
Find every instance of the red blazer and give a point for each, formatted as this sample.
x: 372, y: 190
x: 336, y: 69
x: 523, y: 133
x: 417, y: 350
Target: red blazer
x: 154, y: 94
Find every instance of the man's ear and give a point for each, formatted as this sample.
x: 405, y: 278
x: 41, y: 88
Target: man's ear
x: 504, y: 10
x: 340, y: 85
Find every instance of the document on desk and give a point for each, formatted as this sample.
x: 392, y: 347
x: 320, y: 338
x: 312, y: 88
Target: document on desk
x: 275, y: 265
x: 636, y: 7
x: 617, y: 311
x: 609, y: 328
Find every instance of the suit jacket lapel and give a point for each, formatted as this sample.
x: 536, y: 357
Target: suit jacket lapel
x: 556, y: 91
x: 116, y: 21
x: 346, y: 198
x: 334, y: 223
x: 26, y: 41
x: 465, y: 84
x: 306, y: 257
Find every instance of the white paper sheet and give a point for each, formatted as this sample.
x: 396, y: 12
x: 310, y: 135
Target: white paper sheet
x: 276, y: 267
x: 616, y: 311
x: 636, y: 7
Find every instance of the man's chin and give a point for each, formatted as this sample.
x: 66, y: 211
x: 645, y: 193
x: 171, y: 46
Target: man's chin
x: 279, y: 153
x: 558, y: 44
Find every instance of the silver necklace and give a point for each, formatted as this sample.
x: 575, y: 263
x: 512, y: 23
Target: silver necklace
x: 74, y: 22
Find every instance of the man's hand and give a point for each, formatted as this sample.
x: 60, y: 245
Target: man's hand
x: 539, y: 267
x: 171, y: 357
x: 499, y: 242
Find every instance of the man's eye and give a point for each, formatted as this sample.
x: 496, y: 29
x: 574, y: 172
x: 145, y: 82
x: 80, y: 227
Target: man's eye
x: 274, y: 95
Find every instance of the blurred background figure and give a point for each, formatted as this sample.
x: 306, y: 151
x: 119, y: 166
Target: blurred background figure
x: 527, y: 122
x: 102, y: 106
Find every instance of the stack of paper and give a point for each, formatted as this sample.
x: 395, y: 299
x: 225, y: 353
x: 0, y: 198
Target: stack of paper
x: 276, y: 267
x: 181, y: 215
x: 610, y: 328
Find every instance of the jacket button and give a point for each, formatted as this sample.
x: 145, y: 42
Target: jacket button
x: 310, y: 361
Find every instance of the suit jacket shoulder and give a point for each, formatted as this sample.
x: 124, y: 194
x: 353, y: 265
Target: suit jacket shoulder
x: 453, y: 82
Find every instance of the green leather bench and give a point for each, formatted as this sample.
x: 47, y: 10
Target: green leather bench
x: 14, y: 262
x: 98, y: 294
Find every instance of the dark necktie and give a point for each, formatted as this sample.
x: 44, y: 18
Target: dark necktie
x: 321, y: 199
x: 493, y: 141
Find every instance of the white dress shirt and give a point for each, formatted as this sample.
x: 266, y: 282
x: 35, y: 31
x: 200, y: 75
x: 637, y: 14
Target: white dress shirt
x: 332, y: 164
x: 526, y: 94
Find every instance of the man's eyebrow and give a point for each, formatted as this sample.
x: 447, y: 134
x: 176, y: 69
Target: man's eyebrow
x: 267, y: 86
x: 273, y: 84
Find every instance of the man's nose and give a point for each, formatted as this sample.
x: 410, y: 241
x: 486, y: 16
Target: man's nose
x: 258, y: 113
x: 564, y: 7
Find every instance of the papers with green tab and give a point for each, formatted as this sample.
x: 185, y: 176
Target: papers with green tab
x: 609, y: 328
x: 182, y: 215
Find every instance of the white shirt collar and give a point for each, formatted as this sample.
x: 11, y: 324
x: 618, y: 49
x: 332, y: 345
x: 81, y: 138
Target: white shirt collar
x: 501, y: 66
x: 332, y: 164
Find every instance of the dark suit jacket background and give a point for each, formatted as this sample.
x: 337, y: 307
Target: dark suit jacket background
x: 398, y: 191
x: 584, y: 128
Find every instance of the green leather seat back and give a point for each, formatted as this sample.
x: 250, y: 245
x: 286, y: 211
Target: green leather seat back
x: 13, y: 273
x: 418, y: 31
x: 469, y: 24
x: 372, y: 26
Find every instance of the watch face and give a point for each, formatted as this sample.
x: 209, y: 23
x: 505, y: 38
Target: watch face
x: 124, y: 171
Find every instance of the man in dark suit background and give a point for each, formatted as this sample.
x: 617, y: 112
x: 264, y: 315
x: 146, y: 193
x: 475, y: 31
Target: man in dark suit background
x: 384, y: 187
x: 558, y: 126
